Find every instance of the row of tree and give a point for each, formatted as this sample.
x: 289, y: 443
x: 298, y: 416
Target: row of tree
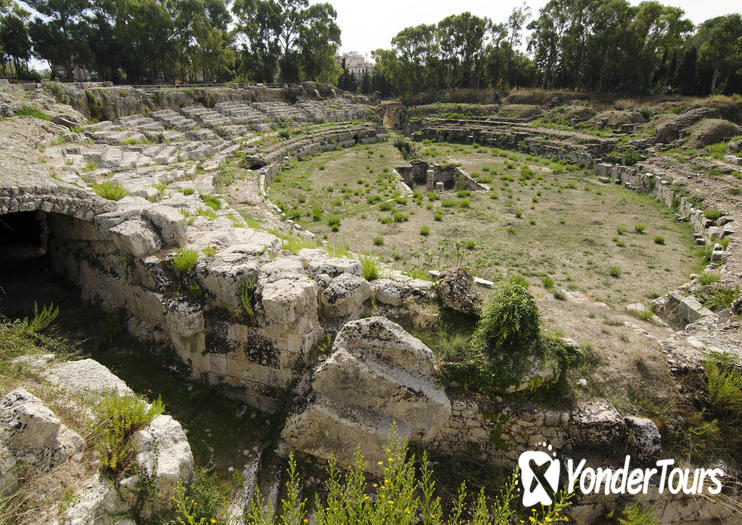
x: 164, y: 40
x: 577, y: 44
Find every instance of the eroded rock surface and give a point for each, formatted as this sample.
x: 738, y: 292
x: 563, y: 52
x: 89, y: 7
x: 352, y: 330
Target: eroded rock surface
x: 377, y: 373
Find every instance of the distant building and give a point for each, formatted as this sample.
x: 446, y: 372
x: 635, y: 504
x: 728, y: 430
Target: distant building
x: 356, y: 63
x: 79, y: 74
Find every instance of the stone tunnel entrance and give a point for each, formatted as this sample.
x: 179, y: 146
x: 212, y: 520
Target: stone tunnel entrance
x: 23, y: 240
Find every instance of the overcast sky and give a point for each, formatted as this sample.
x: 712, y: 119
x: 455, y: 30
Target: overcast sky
x: 371, y: 24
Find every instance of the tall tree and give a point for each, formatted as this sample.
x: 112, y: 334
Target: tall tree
x: 60, y: 38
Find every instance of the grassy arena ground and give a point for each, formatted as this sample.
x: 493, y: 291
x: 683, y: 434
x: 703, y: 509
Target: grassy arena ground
x: 541, y: 220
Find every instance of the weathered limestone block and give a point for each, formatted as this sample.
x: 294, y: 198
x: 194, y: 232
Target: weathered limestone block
x: 390, y: 292
x: 319, y: 262
x: 136, y: 237
x: 164, y: 452
x: 345, y: 295
x: 376, y: 374
x: 456, y: 290
x: 185, y: 318
x: 645, y: 438
x: 323, y: 429
x: 169, y: 223
x: 595, y: 424
x: 224, y: 274
x: 97, y: 502
x: 32, y: 435
x: 678, y: 310
x: 86, y: 374
x: 287, y: 306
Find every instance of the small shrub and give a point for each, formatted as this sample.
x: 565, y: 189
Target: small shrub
x: 724, y: 386
x: 316, y: 212
x: 659, y: 240
x: 507, y: 332
x: 634, y: 515
x: 333, y: 221
x: 385, y: 206
x: 115, y: 420
x: 110, y: 191
x: 184, y: 261
x: 519, y: 213
x: 438, y: 215
x: 547, y: 282
x: 378, y: 241
x: 424, y: 231
x: 620, y: 230
x: 713, y: 214
x: 614, y: 271
x: 639, y: 228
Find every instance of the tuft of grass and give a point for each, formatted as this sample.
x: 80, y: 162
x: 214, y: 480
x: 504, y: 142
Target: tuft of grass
x: 707, y: 278
x: 110, y: 190
x: 639, y: 228
x: 247, y: 294
x: 378, y: 241
x: 724, y: 386
x: 659, y: 240
x: 30, y: 111
x: 713, y: 214
x: 370, y: 267
x: 212, y: 201
x: 184, y: 261
x: 209, y: 251
x: 547, y: 282
x: 614, y: 271
x: 424, y: 231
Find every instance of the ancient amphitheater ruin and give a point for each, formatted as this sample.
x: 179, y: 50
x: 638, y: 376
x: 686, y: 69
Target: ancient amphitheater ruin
x: 138, y: 211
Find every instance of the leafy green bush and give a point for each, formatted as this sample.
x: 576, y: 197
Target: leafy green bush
x: 115, y: 420
x: 184, y: 261
x: 110, y: 190
x: 507, y: 333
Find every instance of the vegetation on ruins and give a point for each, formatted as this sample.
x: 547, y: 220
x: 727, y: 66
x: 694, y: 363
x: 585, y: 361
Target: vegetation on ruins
x: 114, y: 421
x: 406, y: 494
x: 184, y: 260
x: 506, y: 343
x: 111, y: 191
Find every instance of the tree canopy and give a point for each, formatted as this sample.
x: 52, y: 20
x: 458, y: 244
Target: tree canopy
x: 591, y: 45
